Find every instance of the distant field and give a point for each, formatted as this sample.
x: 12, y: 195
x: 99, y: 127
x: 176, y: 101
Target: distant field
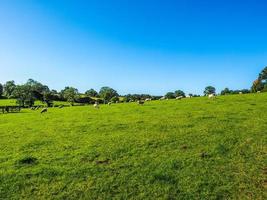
x: 12, y: 102
x: 7, y: 102
x: 190, y: 149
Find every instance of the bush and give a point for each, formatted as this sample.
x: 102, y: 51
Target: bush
x: 114, y: 99
x: 87, y: 100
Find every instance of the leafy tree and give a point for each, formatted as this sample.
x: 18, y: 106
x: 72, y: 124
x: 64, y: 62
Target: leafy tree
x: 83, y: 99
x: 48, y: 98
x: 1, y: 90
x: 179, y: 93
x: 263, y: 75
x: 38, y: 89
x: 261, y: 83
x: 209, y: 90
x: 114, y: 99
x: 70, y: 94
x: 257, y: 86
x: 91, y: 93
x: 107, y: 93
x: 226, y: 91
x: 170, y: 95
x: 9, y: 88
x: 24, y: 95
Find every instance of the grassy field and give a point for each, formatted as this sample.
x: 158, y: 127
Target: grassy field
x: 190, y: 149
x: 12, y: 102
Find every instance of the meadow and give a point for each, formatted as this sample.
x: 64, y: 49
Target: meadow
x: 195, y: 148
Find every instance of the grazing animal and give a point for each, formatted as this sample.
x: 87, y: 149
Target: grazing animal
x: 211, y: 96
x: 148, y: 99
x: 109, y: 103
x: 179, y: 98
x: 96, y: 105
x: 140, y: 102
x: 61, y: 106
x: 162, y: 98
x: 240, y: 92
x: 258, y: 91
x: 44, y: 110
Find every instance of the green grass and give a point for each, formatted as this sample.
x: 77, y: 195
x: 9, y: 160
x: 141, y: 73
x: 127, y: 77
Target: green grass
x: 190, y: 149
x: 8, y: 102
x: 12, y: 102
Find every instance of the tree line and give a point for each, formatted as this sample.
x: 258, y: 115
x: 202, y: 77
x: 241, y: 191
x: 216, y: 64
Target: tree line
x: 26, y: 94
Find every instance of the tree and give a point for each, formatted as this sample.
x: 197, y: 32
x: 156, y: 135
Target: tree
x: 91, y: 93
x: 38, y: 89
x: 170, y: 95
x: 107, y: 93
x: 260, y: 84
x: 179, y: 93
x: 263, y: 75
x: 257, y: 86
x: 226, y: 91
x: 9, y: 88
x: 114, y: 99
x: 24, y: 95
x: 48, y: 98
x: 209, y: 90
x: 70, y: 94
x: 1, y: 90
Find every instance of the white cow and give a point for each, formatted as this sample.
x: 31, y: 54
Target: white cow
x: 179, y: 98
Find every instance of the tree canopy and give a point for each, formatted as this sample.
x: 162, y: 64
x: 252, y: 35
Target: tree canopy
x: 170, y: 95
x: 179, y: 93
x: 9, y: 88
x: 1, y: 90
x: 260, y: 84
x: 107, y: 93
x: 91, y: 93
x: 70, y: 94
x: 209, y: 90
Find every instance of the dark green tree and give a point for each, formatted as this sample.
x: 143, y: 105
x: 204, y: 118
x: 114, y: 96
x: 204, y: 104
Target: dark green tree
x: 91, y: 93
x: 24, y: 95
x: 1, y: 90
x: 9, y: 88
x: 70, y: 94
x: 226, y: 91
x: 107, y: 93
x: 209, y: 90
x: 179, y: 93
x: 170, y: 95
x: 38, y: 89
x: 114, y: 99
x: 257, y: 86
x: 263, y: 75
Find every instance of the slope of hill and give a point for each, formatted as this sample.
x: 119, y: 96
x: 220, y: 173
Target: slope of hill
x: 189, y: 149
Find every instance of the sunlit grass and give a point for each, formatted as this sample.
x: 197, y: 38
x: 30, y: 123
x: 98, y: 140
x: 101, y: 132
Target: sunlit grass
x: 189, y: 149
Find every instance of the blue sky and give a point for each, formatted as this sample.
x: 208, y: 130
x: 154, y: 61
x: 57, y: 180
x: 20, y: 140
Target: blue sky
x: 138, y: 46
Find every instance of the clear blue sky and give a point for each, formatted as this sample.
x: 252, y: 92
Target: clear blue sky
x: 137, y: 46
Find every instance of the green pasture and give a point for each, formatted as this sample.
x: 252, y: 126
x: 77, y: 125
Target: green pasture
x: 190, y: 149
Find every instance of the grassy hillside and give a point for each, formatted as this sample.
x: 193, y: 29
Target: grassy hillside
x: 190, y: 149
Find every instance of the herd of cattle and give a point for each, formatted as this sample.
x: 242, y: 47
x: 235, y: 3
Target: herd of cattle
x: 8, y: 109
